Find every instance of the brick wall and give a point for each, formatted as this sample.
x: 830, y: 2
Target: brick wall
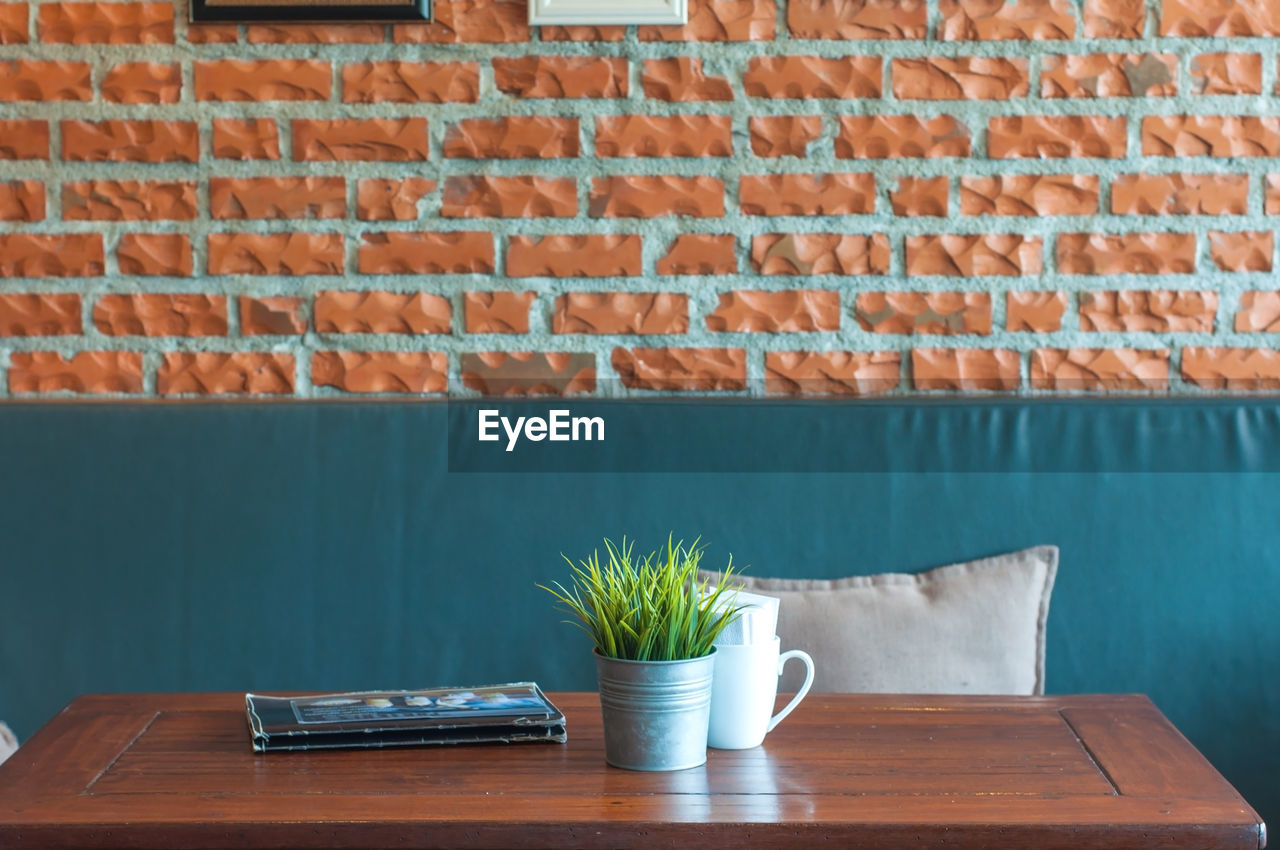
x: 825, y: 196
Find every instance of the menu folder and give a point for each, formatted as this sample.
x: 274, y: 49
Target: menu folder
x: 510, y: 713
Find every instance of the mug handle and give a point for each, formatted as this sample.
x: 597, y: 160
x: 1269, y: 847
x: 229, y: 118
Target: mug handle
x: 804, y: 689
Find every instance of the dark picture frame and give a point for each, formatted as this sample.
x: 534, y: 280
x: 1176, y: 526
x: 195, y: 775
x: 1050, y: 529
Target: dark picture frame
x: 308, y: 11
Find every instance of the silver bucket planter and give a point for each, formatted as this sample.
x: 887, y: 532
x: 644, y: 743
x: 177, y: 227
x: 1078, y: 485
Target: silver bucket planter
x: 655, y: 712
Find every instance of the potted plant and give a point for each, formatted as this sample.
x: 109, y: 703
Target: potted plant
x: 654, y: 625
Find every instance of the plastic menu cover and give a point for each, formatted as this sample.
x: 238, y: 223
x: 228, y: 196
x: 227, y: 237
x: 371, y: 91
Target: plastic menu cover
x: 491, y: 713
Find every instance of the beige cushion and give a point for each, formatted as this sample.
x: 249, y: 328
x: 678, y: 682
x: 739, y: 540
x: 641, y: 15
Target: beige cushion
x: 971, y: 628
x: 8, y: 742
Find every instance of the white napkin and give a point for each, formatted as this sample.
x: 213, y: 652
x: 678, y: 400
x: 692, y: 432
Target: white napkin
x: 757, y: 621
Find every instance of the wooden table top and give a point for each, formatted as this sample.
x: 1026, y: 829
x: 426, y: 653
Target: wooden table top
x: 176, y: 770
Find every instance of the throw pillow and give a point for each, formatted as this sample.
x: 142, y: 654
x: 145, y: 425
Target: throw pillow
x: 971, y: 628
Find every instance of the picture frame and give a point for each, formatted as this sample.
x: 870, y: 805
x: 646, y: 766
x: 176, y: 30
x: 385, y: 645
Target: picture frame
x: 611, y: 13
x: 308, y: 11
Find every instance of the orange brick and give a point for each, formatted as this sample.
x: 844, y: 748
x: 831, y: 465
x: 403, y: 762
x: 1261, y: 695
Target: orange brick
x: 892, y: 136
x: 88, y: 372
x: 516, y: 137
x: 946, y: 313
x: 521, y: 373
x: 621, y: 313
x: 317, y: 33
x: 497, y: 312
x: 700, y: 253
x: 561, y: 76
x: 1036, y: 312
x: 1180, y: 194
x: 391, y: 200
x: 1231, y: 368
x: 246, y: 138
x: 1056, y: 136
x: 130, y: 141
x: 262, y: 80
x: 720, y: 20
x: 807, y: 194
x: 381, y: 371
x: 987, y: 254
x: 1029, y: 195
x: 106, y: 23
x: 1148, y: 311
x: 844, y: 373
x: 381, y: 312
x: 917, y: 196
x: 650, y: 197
x: 161, y: 315
x: 1250, y: 251
x: 39, y: 255
x: 212, y: 33
x: 24, y: 139
x: 1114, y: 18
x: 581, y: 33
x: 1094, y: 369
x: 1210, y: 135
x: 27, y: 79
x: 427, y: 253
x: 275, y: 253
x: 664, y: 135
x: 820, y: 253
x: 697, y: 369
x: 277, y: 197
x: 411, y: 82
x: 960, y: 78
x: 1271, y: 196
x: 1002, y: 20
x: 362, y: 140
x: 747, y: 311
x: 680, y: 79
x: 593, y: 255
x: 1222, y: 18
x: 468, y: 22
x: 142, y: 82
x: 1227, y: 73
x: 233, y: 373
x: 129, y: 200
x: 155, y: 254
x: 1129, y: 253
x: 1110, y: 75
x: 965, y: 369
x: 45, y: 314
x: 878, y: 19
x: 13, y: 23
x: 783, y: 135
x: 274, y: 315
x: 813, y: 77
x: 22, y: 200
x: 509, y: 197
x: 1259, y: 311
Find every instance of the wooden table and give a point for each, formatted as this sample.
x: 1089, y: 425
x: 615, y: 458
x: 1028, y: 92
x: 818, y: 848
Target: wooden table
x: 866, y: 771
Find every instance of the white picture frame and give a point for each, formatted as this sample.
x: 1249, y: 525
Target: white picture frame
x: 607, y: 12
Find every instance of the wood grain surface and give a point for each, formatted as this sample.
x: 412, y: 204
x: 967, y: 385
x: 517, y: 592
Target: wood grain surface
x: 176, y: 770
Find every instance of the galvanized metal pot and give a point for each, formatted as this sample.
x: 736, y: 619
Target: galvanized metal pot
x: 655, y: 712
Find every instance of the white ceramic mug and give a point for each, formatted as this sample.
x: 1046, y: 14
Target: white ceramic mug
x: 743, y: 691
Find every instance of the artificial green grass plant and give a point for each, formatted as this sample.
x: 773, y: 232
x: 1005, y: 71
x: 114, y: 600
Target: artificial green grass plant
x: 653, y: 609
